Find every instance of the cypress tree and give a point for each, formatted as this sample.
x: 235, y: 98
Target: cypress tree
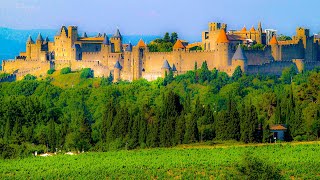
x: 52, y: 134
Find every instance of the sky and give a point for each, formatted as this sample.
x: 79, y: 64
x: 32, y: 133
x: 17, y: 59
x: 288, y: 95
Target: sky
x: 155, y: 17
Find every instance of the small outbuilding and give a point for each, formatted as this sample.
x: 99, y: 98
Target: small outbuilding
x: 278, y: 131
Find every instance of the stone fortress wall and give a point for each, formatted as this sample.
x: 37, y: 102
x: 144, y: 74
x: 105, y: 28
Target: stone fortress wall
x: 106, y: 55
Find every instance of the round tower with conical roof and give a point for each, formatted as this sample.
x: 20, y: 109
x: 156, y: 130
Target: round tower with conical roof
x: 275, y: 49
x: 116, y: 42
x: 165, y: 68
x: 117, y: 71
x: 223, y: 50
x: 239, y: 59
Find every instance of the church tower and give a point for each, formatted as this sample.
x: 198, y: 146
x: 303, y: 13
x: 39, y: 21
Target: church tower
x: 259, y: 36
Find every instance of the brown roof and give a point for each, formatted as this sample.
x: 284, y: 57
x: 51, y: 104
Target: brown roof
x: 178, y: 45
x: 278, y: 127
x: 252, y: 29
x: 234, y: 37
x: 222, y: 38
x: 141, y: 43
x: 244, y: 29
x: 273, y: 41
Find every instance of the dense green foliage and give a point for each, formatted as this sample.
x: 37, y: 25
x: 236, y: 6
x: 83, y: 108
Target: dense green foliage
x: 196, y: 48
x: 253, y: 47
x: 50, y: 71
x: 282, y: 37
x: 164, y: 44
x: 29, y: 77
x: 4, y: 75
x: 65, y: 70
x: 86, y: 73
x: 199, y: 105
x: 263, y: 162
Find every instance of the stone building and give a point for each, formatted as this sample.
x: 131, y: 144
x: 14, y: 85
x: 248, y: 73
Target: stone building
x: 221, y: 50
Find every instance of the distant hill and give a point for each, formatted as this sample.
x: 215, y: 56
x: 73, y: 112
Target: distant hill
x: 12, y: 41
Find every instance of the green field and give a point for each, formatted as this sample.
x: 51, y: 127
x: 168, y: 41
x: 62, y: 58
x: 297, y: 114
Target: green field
x: 294, y: 161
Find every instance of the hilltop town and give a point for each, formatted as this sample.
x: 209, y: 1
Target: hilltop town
x: 220, y: 49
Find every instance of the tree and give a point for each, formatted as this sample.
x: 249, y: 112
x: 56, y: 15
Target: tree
x: 52, y: 141
x: 29, y: 77
x: 166, y: 37
x: 237, y: 74
x: 86, y: 73
x: 282, y: 37
x: 288, y: 73
x: 174, y: 37
x: 65, y: 70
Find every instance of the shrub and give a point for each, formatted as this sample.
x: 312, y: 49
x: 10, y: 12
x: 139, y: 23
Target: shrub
x: 4, y: 75
x: 29, y: 77
x: 254, y: 168
x: 66, y: 70
x: 86, y: 73
x: 51, y: 71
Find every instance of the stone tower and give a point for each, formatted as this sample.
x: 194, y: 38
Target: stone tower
x: 223, y: 50
x: 239, y: 59
x: 116, y: 71
x: 116, y: 42
x: 138, y: 54
x: 275, y: 49
x: 259, y: 35
x: 165, y: 68
x: 28, y: 47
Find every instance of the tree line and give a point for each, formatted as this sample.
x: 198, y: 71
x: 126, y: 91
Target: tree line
x: 201, y: 105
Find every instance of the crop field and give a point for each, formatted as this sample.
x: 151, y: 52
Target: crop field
x: 294, y: 161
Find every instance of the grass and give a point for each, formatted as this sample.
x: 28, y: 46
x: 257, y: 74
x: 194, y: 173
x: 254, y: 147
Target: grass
x: 72, y: 79
x: 299, y: 161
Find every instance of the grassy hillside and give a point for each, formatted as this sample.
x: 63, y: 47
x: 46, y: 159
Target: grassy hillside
x: 72, y: 79
x: 291, y: 161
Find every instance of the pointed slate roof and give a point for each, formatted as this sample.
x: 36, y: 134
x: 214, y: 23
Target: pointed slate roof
x: 117, y: 65
x: 30, y: 40
x: 174, y: 67
x: 273, y: 41
x: 46, y: 40
x: 39, y: 38
x: 63, y: 28
x: 129, y: 47
x: 222, y: 38
x: 166, y: 65
x: 84, y: 35
x: 239, y: 54
x: 106, y: 40
x: 178, y: 45
x: 141, y: 43
x: 117, y: 34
